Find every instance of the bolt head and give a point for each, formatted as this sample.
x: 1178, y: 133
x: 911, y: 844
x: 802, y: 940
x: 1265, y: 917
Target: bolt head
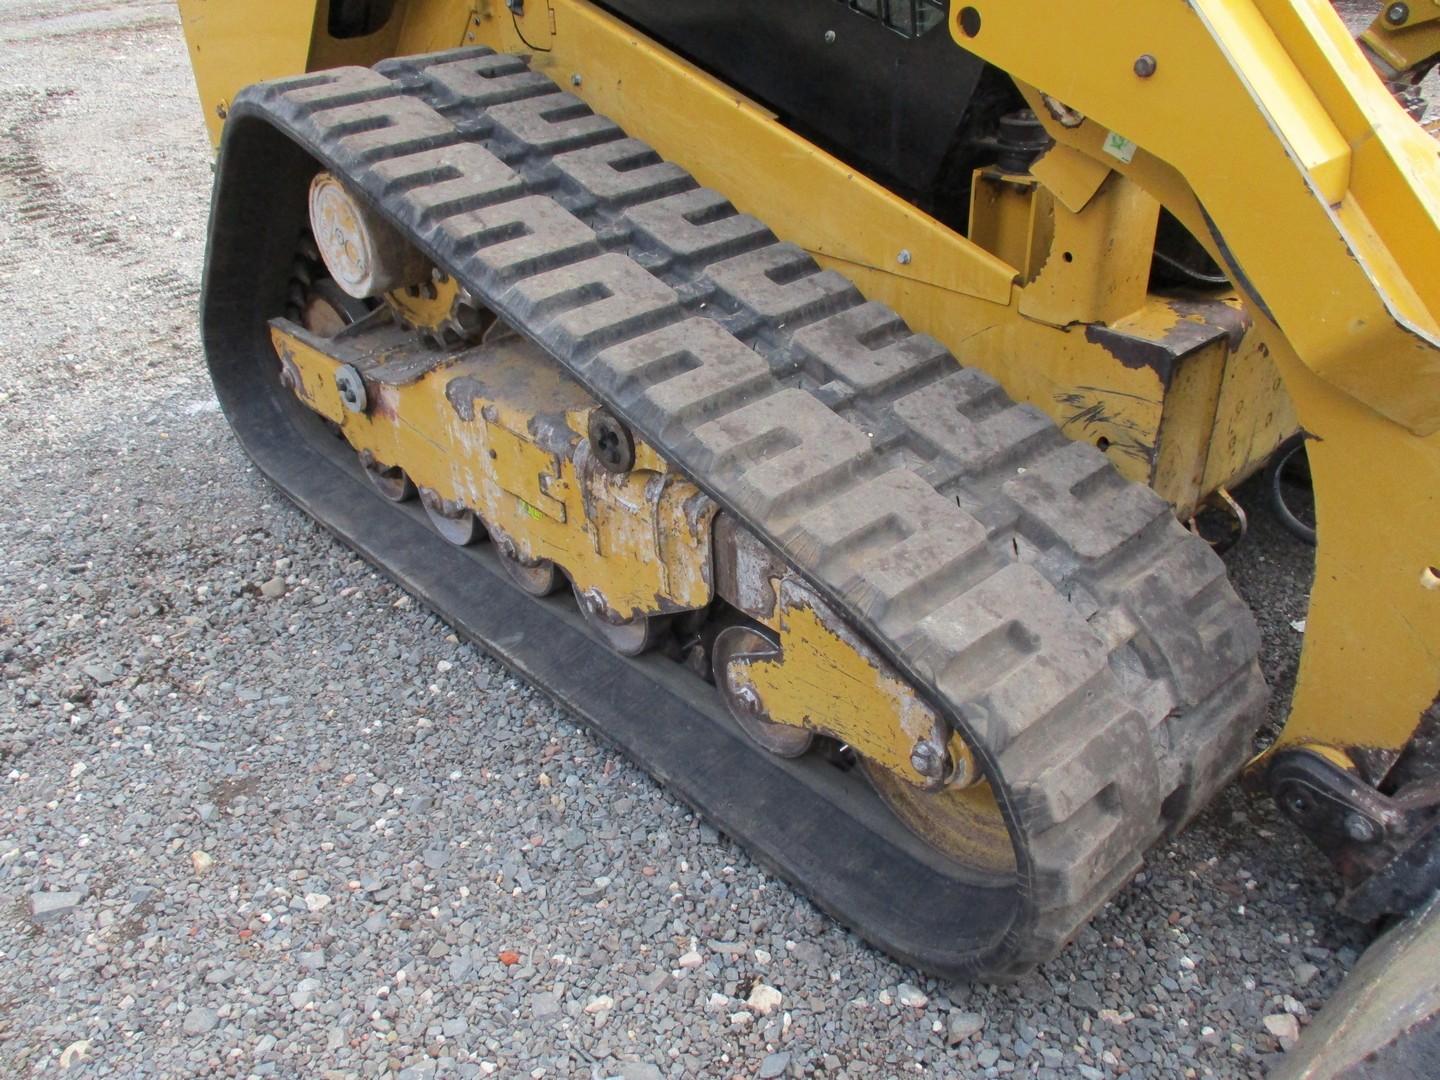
x: 1145, y: 66
x: 1359, y: 828
x: 904, y: 257
x: 927, y: 760
x: 1397, y: 14
x: 351, y: 388
x: 576, y: 80
x: 611, y: 442
x: 829, y: 37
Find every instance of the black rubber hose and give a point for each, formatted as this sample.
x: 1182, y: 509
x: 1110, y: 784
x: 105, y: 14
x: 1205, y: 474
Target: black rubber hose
x: 1275, y: 481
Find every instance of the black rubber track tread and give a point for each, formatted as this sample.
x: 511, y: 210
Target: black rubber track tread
x: 1088, y: 646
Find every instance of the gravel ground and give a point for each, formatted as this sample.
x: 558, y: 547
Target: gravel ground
x: 313, y: 834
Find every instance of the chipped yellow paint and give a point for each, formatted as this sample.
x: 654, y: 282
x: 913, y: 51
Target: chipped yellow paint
x: 642, y: 540
x: 312, y: 383
x: 829, y: 681
x: 529, y: 473
x: 827, y: 684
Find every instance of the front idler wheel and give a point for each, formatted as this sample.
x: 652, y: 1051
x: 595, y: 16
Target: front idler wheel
x: 963, y: 823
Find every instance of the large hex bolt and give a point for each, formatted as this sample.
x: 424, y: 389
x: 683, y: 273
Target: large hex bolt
x: 611, y: 442
x: 351, y: 386
x: 928, y: 759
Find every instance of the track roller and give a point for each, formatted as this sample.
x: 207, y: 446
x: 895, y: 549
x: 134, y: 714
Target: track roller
x: 964, y: 824
x: 455, y: 524
x: 390, y: 482
x: 628, y: 637
x: 540, y: 577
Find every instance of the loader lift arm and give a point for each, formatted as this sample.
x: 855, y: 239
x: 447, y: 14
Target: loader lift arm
x: 1261, y: 126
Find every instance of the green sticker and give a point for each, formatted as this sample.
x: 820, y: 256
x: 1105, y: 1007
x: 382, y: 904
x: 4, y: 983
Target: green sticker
x: 1119, y: 147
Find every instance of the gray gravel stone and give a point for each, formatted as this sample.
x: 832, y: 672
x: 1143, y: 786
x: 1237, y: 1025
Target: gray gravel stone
x: 1083, y: 995
x: 200, y: 1021
x: 48, y: 906
x: 653, y: 981
x: 959, y: 1026
x: 774, y: 1065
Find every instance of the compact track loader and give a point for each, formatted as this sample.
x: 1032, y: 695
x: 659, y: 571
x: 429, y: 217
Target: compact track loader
x: 819, y: 399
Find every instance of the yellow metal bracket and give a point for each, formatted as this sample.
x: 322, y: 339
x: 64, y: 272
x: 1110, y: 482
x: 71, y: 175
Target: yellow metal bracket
x: 1404, y: 36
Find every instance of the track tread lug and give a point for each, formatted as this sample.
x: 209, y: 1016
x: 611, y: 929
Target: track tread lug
x: 782, y: 286
x: 869, y: 349
x: 1077, y: 497
x: 514, y: 239
x: 782, y: 455
x: 957, y: 420
x: 900, y: 547
x: 550, y: 124
x: 307, y: 94
x: 622, y: 173
x: 482, y: 82
x: 1016, y: 638
x: 699, y: 225
x: 582, y: 307
x: 683, y: 375
x: 449, y: 180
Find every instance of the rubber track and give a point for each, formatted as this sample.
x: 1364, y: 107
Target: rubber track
x: 1089, y: 647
